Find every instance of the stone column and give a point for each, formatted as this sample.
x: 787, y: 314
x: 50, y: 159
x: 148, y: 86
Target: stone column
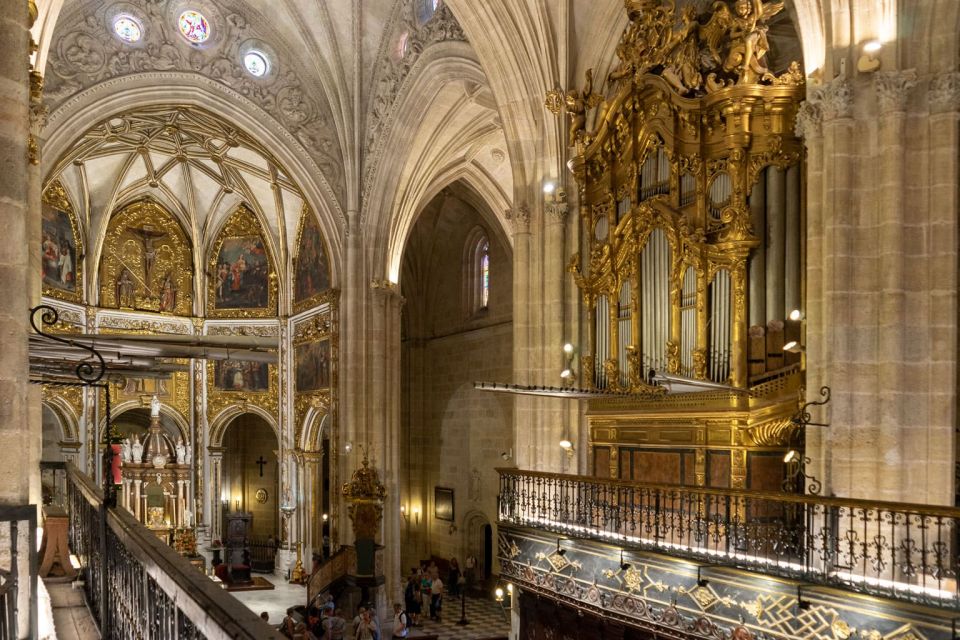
x: 313, y: 490
x: 944, y: 124
x: 17, y: 281
x: 849, y: 462
x: 896, y: 279
x: 793, y: 231
x: 808, y: 127
x: 526, y: 453
x: 553, y: 417
x: 136, y: 499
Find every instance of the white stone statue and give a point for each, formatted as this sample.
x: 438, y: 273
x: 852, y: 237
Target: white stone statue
x: 181, y: 452
x: 155, y: 407
x: 188, y: 456
x: 125, y: 450
x: 136, y: 450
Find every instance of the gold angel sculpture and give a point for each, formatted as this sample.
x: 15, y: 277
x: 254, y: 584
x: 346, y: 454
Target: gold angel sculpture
x: 746, y: 29
x: 576, y: 103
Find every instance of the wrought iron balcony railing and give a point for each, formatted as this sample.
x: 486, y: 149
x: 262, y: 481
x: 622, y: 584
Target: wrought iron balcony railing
x: 894, y: 550
x: 137, y: 586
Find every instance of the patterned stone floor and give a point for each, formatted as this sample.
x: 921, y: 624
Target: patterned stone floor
x: 486, y: 618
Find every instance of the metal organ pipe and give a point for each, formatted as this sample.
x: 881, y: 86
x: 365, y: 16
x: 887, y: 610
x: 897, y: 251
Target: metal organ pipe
x: 624, y: 335
x: 758, y: 257
x: 720, y: 326
x: 776, y: 238
x: 603, y: 341
x: 688, y: 321
x: 720, y: 190
x: 792, y: 249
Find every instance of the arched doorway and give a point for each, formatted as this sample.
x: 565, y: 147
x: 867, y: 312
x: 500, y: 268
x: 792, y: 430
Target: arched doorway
x: 52, y: 436
x: 251, y: 478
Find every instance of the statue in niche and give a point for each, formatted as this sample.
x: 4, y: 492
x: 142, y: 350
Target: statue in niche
x: 155, y: 406
x: 181, y: 452
x: 188, y: 455
x: 475, y: 485
x: 125, y: 450
x: 125, y: 289
x: 136, y: 450
x: 168, y: 294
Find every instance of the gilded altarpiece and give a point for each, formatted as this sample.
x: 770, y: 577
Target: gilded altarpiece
x: 665, y: 180
x: 242, y: 282
x: 146, y: 263
x: 61, y: 246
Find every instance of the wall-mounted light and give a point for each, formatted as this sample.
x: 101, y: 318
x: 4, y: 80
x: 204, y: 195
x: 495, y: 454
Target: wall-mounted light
x: 790, y: 456
x: 403, y: 513
x: 549, y: 187
x: 796, y: 315
x: 498, y: 594
x: 793, y: 347
x: 325, y: 517
x: 348, y: 447
x: 510, y: 588
x: 868, y: 61
x: 506, y: 455
x: 568, y: 374
x: 416, y: 515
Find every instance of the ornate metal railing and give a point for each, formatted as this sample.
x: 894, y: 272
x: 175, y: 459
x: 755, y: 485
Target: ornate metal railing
x: 903, y: 551
x: 150, y: 591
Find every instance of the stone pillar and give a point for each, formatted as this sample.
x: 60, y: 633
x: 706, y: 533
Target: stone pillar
x: 792, y: 253
x: 944, y: 125
x: 384, y: 399
x: 526, y: 447
x: 896, y: 279
x: 553, y: 419
x: 17, y: 281
x: 136, y: 499
x: 313, y: 490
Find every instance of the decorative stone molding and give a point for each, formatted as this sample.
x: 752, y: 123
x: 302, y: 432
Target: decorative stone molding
x: 520, y: 219
x: 837, y: 99
x: 86, y: 53
x: 893, y: 89
x: 395, y: 72
x: 944, y: 92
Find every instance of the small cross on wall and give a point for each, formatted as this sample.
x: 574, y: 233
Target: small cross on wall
x: 260, y: 462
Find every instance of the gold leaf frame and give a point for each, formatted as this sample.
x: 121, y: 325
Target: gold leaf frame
x: 323, y: 296
x: 55, y: 195
x: 174, y: 257
x: 242, y: 223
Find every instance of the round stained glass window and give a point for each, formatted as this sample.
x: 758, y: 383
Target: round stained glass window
x: 255, y: 63
x: 194, y: 26
x: 127, y: 29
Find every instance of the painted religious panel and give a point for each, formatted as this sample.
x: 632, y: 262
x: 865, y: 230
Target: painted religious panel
x: 312, y: 366
x: 311, y: 269
x: 58, y: 246
x: 241, y: 375
x: 147, y: 263
x: 242, y: 281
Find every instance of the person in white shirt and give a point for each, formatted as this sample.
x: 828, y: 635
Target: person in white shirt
x: 436, y: 598
x: 399, y: 622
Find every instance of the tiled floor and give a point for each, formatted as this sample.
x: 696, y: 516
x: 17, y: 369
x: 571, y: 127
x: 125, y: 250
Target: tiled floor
x: 486, y: 620
x: 71, y: 618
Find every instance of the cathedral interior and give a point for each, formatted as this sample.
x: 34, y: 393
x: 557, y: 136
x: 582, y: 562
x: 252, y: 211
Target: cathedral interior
x: 636, y: 319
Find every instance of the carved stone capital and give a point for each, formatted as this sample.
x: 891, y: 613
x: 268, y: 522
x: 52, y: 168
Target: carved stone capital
x: 520, y: 218
x: 893, y: 89
x: 944, y: 92
x: 557, y: 208
x: 809, y: 117
x: 837, y: 99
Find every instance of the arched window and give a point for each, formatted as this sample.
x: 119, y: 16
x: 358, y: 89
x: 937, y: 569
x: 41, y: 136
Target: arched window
x: 476, y: 271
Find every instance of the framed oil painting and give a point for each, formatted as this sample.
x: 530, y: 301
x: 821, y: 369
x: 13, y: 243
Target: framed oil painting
x: 243, y: 274
x: 312, y: 371
x: 58, y: 250
x: 443, y: 503
x: 312, y: 272
x: 241, y: 375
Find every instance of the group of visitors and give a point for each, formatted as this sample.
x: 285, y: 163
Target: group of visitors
x: 326, y: 622
x: 426, y: 589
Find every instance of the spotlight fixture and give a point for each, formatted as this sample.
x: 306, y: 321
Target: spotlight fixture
x: 566, y: 444
x: 549, y: 187
x: 568, y: 349
x: 560, y: 552
x: 623, y: 564
x: 348, y: 447
x: 510, y: 588
x: 499, y: 594
x: 566, y: 374
x: 506, y: 455
x: 325, y: 517
x: 796, y: 315
x: 790, y: 456
x: 793, y: 347
x: 869, y: 62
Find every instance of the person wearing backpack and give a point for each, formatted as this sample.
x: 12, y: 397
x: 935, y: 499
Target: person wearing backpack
x: 400, y: 622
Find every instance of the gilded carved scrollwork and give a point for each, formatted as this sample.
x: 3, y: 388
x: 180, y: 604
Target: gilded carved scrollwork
x: 146, y: 262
